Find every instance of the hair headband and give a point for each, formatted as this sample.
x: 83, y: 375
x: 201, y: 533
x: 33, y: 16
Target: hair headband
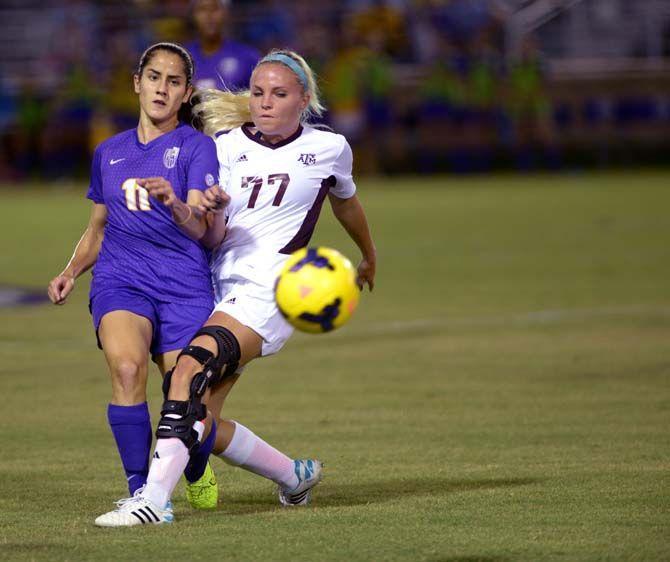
x: 291, y: 63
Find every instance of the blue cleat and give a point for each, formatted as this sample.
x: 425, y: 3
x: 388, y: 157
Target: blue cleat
x: 309, y: 475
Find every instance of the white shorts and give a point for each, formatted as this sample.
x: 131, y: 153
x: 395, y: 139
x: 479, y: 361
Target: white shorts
x: 254, y: 306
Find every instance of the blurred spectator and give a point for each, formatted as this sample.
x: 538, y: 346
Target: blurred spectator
x: 66, y: 131
x: 8, y: 130
x: 462, y: 20
x: 484, y: 77
x: 220, y: 62
x: 316, y: 40
x: 121, y: 99
x: 75, y: 36
x: 118, y: 108
x: 169, y: 21
x: 316, y: 45
x: 441, y: 109
x: 55, y: 123
x: 357, y: 87
x: 424, y: 35
x: 386, y: 23
x: 530, y: 110
x: 26, y: 142
x: 271, y: 25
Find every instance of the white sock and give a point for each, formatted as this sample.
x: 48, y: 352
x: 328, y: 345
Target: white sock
x: 250, y: 452
x: 167, y: 465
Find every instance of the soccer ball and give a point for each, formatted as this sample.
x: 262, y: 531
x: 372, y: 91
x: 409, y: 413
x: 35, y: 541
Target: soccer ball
x: 316, y: 290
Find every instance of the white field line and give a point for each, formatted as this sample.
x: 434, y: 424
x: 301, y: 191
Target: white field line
x: 537, y: 317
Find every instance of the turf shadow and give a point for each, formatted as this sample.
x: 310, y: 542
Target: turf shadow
x: 388, y: 490
x: 470, y: 559
x: 364, y: 493
x: 237, y: 505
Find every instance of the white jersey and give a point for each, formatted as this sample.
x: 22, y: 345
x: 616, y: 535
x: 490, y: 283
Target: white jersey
x: 276, y: 195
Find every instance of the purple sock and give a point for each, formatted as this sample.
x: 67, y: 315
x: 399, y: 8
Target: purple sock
x: 131, y: 426
x: 198, y: 461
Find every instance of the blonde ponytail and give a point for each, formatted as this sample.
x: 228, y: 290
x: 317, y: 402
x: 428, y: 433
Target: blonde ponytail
x: 221, y: 110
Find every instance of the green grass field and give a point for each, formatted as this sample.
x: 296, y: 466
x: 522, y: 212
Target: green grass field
x: 504, y: 394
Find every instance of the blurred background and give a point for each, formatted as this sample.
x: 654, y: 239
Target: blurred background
x: 427, y: 86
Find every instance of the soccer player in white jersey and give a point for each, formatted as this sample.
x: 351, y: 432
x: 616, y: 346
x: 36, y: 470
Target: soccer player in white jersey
x: 277, y: 171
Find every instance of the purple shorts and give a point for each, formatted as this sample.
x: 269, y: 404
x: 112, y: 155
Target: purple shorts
x: 174, y: 324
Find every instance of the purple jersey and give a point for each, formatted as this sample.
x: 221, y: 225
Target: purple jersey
x: 143, y: 248
x: 229, y: 68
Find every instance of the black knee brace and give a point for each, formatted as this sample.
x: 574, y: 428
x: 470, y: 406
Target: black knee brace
x: 228, y: 357
x: 179, y: 416
x: 216, y: 368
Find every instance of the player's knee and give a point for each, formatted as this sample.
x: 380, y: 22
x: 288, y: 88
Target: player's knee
x: 127, y: 375
x: 197, y: 364
x: 183, y: 373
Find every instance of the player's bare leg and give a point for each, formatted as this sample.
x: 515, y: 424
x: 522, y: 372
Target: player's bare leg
x: 125, y: 339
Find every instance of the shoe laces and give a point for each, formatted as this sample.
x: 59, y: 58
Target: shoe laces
x: 197, y: 490
x: 200, y: 486
x: 132, y: 499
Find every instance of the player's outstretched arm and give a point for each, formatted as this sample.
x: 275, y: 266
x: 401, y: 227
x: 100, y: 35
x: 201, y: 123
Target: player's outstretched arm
x: 84, y: 256
x: 349, y: 212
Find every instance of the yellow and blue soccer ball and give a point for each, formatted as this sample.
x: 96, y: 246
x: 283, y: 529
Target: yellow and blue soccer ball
x: 316, y: 290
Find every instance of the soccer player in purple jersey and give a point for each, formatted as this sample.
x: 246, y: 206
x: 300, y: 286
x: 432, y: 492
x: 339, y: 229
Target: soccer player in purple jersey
x: 265, y: 142
x: 151, y: 287
x: 220, y: 62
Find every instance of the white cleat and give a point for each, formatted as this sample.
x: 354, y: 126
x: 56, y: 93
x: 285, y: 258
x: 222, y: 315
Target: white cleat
x: 309, y: 475
x: 136, y: 511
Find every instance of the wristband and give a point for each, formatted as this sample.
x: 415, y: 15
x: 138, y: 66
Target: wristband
x: 188, y: 217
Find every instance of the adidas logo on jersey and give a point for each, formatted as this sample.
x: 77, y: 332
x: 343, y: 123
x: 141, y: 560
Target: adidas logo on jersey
x: 242, y: 158
x: 231, y: 300
x: 307, y: 159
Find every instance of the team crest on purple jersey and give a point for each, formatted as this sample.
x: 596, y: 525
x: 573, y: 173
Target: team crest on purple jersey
x: 170, y: 157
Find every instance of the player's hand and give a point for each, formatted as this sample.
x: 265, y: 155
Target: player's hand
x: 160, y: 189
x: 213, y: 200
x: 366, y: 274
x: 60, y: 287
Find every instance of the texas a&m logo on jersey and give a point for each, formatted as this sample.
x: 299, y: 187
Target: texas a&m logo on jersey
x: 170, y: 157
x: 308, y: 159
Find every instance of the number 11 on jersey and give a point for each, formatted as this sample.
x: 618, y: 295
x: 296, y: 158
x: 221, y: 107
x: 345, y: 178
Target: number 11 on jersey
x: 137, y: 198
